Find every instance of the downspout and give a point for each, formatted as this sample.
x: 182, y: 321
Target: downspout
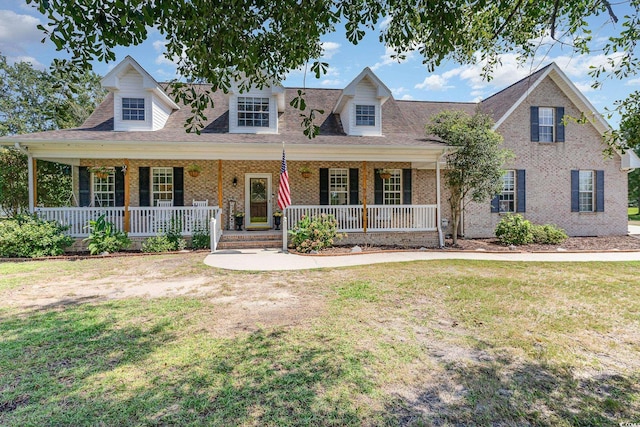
x: 30, y: 163
x: 438, y: 204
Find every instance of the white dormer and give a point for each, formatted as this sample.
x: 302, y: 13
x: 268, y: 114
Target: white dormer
x: 256, y: 110
x: 139, y: 102
x: 360, y: 105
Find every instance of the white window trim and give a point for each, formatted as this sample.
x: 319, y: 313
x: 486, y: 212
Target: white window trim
x: 396, y: 174
x: 368, y: 115
x: 552, y: 125
x: 152, y: 190
x: 592, y: 191
x: 111, y: 192
x: 506, y: 192
x: 333, y: 192
x: 144, y: 109
x: 253, y: 98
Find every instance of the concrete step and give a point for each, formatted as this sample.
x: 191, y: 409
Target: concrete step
x: 250, y: 239
x: 250, y: 244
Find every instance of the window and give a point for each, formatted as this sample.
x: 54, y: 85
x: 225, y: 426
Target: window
x: 253, y: 112
x: 507, y: 198
x: 339, y: 186
x: 545, y: 123
x: 365, y: 115
x: 104, y: 190
x: 133, y: 109
x: 392, y: 188
x: 162, y: 184
x: 585, y: 188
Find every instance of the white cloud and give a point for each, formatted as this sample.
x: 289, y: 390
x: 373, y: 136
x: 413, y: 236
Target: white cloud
x: 331, y: 82
x: 329, y: 49
x: 385, y: 22
x: 33, y: 61
x: 434, y: 82
x: 406, y: 97
x: 398, y: 91
x: 584, y: 87
x: 388, y: 60
x: 633, y: 82
x: 159, y: 46
x: 17, y: 32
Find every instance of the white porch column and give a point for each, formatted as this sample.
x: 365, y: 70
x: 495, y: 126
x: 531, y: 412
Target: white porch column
x: 438, y: 213
x: 32, y: 190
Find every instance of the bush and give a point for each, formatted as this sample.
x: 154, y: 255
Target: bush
x: 548, y: 234
x: 514, y: 230
x: 27, y: 236
x: 103, y: 237
x: 201, y: 239
x: 160, y: 243
x: 313, y: 234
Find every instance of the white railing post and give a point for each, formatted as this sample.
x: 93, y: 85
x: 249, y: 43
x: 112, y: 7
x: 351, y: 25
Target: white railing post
x: 284, y: 234
x: 213, y: 230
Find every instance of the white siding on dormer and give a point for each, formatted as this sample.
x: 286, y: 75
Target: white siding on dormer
x: 365, y: 95
x: 160, y: 113
x: 131, y: 87
x: 273, y: 112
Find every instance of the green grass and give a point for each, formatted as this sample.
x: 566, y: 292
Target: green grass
x: 634, y: 214
x: 424, y: 343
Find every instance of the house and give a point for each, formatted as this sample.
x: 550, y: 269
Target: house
x: 558, y: 174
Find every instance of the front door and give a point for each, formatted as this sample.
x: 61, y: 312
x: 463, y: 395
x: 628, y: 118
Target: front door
x: 257, y: 200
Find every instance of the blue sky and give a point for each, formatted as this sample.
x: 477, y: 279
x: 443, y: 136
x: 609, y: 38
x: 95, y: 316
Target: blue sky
x: 20, y: 40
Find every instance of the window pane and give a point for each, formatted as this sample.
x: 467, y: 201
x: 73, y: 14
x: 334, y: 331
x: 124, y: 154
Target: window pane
x: 392, y: 188
x: 339, y: 186
x: 585, y: 197
x: 104, y: 190
x: 253, y: 112
x: 162, y: 184
x: 545, y: 119
x: 507, y: 198
x: 133, y: 109
x: 365, y: 115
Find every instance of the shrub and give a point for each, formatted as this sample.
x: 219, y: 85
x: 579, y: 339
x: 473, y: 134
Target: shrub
x: 313, y: 234
x: 548, y: 234
x: 514, y: 230
x: 201, y: 238
x: 29, y: 237
x: 160, y: 243
x: 103, y: 237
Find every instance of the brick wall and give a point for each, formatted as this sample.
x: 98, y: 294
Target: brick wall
x: 548, y: 180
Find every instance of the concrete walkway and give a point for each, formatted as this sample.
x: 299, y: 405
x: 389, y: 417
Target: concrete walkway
x: 275, y: 260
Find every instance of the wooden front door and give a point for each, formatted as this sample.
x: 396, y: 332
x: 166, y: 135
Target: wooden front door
x: 258, y: 200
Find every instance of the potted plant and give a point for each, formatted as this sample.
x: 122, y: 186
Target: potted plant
x: 239, y: 216
x: 101, y: 172
x: 194, y: 170
x: 277, y: 217
x: 305, y: 171
x: 385, y: 173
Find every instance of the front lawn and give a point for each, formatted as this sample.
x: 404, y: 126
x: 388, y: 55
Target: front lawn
x: 634, y: 214
x: 166, y: 341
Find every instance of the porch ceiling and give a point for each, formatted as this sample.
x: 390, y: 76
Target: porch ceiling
x: 71, y: 150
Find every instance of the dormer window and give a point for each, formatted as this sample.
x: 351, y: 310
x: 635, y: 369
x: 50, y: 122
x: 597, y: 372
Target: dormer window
x: 365, y: 115
x: 253, y: 111
x: 133, y: 109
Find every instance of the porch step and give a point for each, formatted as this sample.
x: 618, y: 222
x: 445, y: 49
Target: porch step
x: 265, y: 239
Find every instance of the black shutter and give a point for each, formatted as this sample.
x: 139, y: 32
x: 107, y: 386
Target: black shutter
x: 353, y: 186
x: 178, y: 186
x: 144, y: 186
x: 84, y: 177
x: 535, y: 129
x: 324, y: 186
x: 521, y: 189
x: 406, y: 186
x: 559, y: 124
x: 575, y: 191
x: 495, y: 204
x: 378, y: 186
x: 119, y: 178
x: 599, y: 191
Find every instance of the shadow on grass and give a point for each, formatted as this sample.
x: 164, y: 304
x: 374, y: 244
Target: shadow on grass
x: 505, y: 393
x: 132, y: 363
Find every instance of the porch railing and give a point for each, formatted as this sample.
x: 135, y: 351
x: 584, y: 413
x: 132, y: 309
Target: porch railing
x: 215, y: 230
x: 379, y: 217
x: 149, y: 221
x: 77, y: 219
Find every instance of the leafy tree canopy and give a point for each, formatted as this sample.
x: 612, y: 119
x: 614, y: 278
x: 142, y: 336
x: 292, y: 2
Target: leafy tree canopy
x: 260, y: 41
x: 474, y: 165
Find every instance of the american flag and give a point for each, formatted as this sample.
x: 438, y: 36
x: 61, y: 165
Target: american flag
x: 284, y: 192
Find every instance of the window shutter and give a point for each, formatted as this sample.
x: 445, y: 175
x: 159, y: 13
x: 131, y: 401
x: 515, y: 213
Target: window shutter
x: 324, y: 186
x: 84, y: 177
x: 535, y: 123
x: 495, y: 204
x: 353, y: 186
x: 406, y: 186
x: 119, y: 182
x: 144, y: 186
x: 575, y: 191
x: 559, y: 124
x: 378, y: 186
x: 178, y: 186
x: 599, y: 191
x: 521, y: 189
